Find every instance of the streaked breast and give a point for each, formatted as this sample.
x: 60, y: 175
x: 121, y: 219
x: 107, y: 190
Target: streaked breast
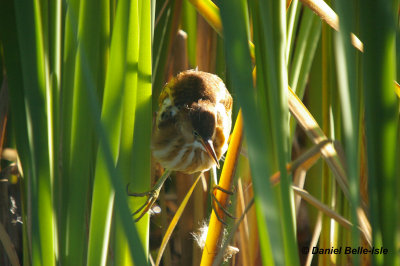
x: 188, y: 158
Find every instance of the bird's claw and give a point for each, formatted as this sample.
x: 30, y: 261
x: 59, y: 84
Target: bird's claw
x: 151, y: 195
x: 229, y: 192
x: 217, y: 205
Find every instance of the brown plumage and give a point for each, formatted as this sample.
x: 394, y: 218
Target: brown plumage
x: 193, y: 122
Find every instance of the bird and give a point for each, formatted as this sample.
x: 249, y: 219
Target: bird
x: 192, y: 127
x: 193, y: 122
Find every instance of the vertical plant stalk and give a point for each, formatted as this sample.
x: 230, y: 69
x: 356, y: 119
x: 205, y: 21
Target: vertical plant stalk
x: 275, y: 83
x: 103, y: 193
x: 121, y: 206
x: 327, y: 186
x: 82, y: 157
x: 379, y: 23
x: 349, y: 92
x: 143, y: 116
x: 329, y: 16
x: 216, y: 228
x: 34, y: 66
x: 61, y: 184
x: 125, y: 157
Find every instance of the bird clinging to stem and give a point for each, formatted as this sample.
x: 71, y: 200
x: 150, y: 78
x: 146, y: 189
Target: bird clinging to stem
x: 192, y: 127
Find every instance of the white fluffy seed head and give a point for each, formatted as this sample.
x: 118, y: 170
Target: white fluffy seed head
x: 200, y: 237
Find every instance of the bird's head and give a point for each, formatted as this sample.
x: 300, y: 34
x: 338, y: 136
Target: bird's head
x: 202, y: 121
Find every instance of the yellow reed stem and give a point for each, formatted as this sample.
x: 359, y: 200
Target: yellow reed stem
x: 210, y: 12
x: 216, y: 228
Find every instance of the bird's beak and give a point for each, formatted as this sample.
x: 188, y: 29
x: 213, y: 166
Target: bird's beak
x: 208, y: 145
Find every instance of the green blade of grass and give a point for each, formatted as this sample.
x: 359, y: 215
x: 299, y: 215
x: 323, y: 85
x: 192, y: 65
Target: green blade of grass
x: 272, y: 35
x: 82, y: 152
x: 136, y: 143
x: 12, y: 61
x: 54, y: 72
x: 303, y: 54
x: 189, y: 25
x: 122, y: 254
x: 292, y: 23
x: 239, y: 66
x: 349, y: 97
x: 162, y: 40
x: 122, y: 210
x: 30, y: 34
x: 299, y: 51
x: 378, y: 32
x: 61, y: 185
x: 143, y: 117
x: 54, y: 79
x: 103, y: 194
x: 327, y: 186
x: 312, y: 44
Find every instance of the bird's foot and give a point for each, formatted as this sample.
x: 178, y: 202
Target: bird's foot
x: 217, y: 205
x: 151, y: 195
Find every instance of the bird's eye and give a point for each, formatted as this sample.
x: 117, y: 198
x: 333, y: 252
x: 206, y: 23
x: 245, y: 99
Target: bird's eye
x: 195, y: 133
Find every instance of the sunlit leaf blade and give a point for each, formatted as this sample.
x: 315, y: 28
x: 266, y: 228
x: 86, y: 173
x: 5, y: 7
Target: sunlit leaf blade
x: 378, y: 32
x: 162, y: 36
x: 349, y: 96
x: 303, y: 54
x: 272, y: 34
x: 239, y: 66
x: 36, y: 86
x: 66, y: 96
x: 293, y: 13
x: 189, y: 24
x: 122, y: 253
x: 103, y: 194
x: 82, y: 153
x: 121, y: 206
x: 143, y: 116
